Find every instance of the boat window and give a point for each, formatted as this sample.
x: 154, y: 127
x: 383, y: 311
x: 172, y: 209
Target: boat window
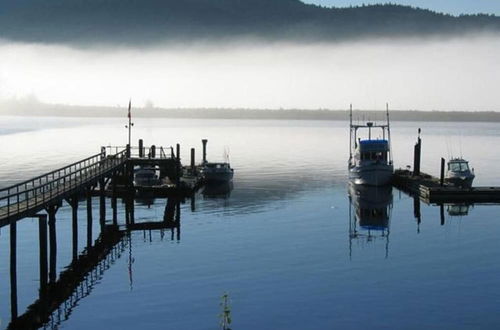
x: 377, y: 156
x: 454, y: 167
x: 464, y: 166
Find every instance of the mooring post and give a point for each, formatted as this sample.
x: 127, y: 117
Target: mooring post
x: 417, y: 156
x: 13, y: 270
x: 193, y: 168
x: 89, y: 218
x: 128, y: 151
x: 204, y: 141
x: 42, y: 230
x: 153, y: 151
x: 178, y: 167
x: 141, y: 148
x: 442, y: 171
x: 102, y: 203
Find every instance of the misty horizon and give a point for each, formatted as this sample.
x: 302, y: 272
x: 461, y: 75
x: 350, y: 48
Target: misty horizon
x: 458, y: 74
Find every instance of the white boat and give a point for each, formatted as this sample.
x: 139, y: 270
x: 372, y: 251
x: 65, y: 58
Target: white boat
x: 146, y: 176
x: 217, y: 172
x: 370, y: 160
x: 459, y: 173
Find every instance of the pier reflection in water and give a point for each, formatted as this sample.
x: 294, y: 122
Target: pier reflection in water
x: 369, y: 214
x: 59, y: 296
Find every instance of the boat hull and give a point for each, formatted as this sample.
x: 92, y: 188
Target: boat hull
x: 218, y: 176
x: 461, y: 182
x: 372, y: 175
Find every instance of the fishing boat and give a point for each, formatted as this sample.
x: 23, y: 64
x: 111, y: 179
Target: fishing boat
x: 459, y: 173
x: 370, y: 160
x: 146, y: 176
x: 217, y: 172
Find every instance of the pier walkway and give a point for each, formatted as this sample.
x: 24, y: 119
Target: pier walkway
x: 31, y: 196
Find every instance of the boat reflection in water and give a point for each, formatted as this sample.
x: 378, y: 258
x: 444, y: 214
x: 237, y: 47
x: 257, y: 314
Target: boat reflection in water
x: 458, y: 210
x: 369, y: 214
x: 219, y: 190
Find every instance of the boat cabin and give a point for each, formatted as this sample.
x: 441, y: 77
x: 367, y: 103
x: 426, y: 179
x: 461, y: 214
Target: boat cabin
x: 458, y: 165
x: 373, y: 150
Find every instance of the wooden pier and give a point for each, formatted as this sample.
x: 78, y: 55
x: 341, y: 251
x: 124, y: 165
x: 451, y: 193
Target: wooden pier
x: 108, y: 173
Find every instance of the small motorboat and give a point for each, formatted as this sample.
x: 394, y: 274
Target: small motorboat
x: 217, y: 172
x: 146, y: 176
x: 459, y: 173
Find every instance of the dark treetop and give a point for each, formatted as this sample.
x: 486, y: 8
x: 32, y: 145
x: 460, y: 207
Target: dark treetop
x: 151, y: 21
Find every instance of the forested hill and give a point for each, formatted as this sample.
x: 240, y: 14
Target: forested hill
x: 152, y: 21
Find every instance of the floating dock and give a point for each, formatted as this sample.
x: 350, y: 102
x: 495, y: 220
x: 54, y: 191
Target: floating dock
x: 430, y: 189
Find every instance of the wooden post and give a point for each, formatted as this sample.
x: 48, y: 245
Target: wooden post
x: 74, y: 212
x: 192, y: 161
x: 113, y: 199
x: 153, y: 151
x: 89, y: 218
x: 442, y: 171
x: 204, y: 141
x: 42, y: 231
x: 128, y: 151
x: 178, y: 151
x: 13, y: 270
x: 52, y: 244
x: 417, y: 157
x: 102, y: 203
x: 141, y: 148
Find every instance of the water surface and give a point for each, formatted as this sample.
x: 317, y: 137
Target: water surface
x: 289, y: 243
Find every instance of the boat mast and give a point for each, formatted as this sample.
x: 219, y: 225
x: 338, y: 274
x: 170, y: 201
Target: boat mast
x: 388, y: 131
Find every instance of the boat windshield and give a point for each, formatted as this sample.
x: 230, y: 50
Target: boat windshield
x: 458, y: 167
x: 376, y: 155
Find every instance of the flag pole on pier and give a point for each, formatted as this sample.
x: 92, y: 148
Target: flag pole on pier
x: 130, y: 123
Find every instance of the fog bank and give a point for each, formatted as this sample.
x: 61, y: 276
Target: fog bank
x: 458, y: 74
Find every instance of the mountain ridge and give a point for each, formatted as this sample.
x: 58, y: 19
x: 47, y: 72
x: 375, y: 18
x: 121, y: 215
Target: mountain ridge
x: 152, y: 21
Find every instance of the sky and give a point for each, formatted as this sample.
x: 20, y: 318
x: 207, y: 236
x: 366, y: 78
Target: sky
x: 455, y: 7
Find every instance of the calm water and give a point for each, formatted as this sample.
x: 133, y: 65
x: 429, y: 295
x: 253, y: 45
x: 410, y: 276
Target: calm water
x: 287, y: 243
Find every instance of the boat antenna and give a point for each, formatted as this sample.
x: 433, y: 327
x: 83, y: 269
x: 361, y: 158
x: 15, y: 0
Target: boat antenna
x: 460, y: 144
x: 389, y: 131
x: 350, y: 132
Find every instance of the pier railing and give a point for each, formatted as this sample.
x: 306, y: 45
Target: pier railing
x: 146, y: 152
x: 42, y: 189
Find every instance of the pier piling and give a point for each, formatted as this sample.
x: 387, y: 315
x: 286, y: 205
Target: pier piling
x: 13, y: 269
x: 442, y: 172
x: 89, y: 218
x: 204, y: 141
x: 42, y: 230
x: 417, y: 155
x: 153, y: 151
x: 141, y: 148
x: 193, y: 168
